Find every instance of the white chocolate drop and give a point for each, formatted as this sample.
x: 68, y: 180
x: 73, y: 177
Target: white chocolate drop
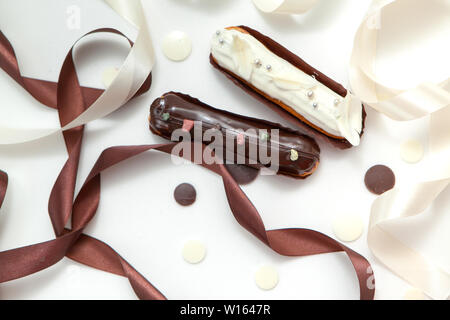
x: 266, y: 278
x: 412, y: 151
x: 348, y: 227
x: 177, y: 45
x: 194, y: 251
x: 109, y: 74
x: 414, y: 294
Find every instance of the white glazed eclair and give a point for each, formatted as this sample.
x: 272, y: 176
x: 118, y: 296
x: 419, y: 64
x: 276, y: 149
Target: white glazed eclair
x: 299, y: 89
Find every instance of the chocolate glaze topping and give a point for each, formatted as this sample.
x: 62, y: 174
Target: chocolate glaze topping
x: 168, y: 112
x: 290, y: 57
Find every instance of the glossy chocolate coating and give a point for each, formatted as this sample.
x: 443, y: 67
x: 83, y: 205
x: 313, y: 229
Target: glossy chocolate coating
x: 168, y: 112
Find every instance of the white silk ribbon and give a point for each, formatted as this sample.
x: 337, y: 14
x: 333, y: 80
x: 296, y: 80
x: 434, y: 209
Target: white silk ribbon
x: 394, y: 206
x: 284, y: 6
x: 134, y: 71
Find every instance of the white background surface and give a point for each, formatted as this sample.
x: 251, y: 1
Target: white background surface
x: 138, y: 216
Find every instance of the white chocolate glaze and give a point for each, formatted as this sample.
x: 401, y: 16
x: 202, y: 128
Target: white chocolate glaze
x: 249, y: 59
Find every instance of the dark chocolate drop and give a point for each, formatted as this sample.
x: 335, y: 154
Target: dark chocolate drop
x: 379, y: 179
x: 185, y: 194
x: 241, y: 173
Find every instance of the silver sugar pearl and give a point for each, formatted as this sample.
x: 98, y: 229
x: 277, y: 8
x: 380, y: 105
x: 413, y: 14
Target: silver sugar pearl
x: 257, y: 63
x: 269, y: 67
x: 221, y: 41
x: 218, y: 32
x: 336, y: 102
x: 315, y: 105
x: 310, y: 94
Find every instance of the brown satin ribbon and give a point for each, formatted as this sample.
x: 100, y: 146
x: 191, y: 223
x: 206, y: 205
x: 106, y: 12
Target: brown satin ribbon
x: 71, y: 99
x: 3, y: 186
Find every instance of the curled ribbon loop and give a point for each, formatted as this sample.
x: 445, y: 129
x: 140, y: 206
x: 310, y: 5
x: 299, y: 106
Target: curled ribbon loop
x: 132, y: 79
x: 427, y: 99
x: 77, y: 105
x: 284, y: 6
x: 289, y: 242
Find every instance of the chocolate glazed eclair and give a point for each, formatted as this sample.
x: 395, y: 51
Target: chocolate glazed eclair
x: 298, y: 157
x: 314, y: 103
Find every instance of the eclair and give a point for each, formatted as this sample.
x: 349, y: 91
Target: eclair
x: 314, y: 103
x: 294, y: 154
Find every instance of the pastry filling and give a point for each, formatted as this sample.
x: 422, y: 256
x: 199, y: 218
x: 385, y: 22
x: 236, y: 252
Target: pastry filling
x: 246, y: 57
